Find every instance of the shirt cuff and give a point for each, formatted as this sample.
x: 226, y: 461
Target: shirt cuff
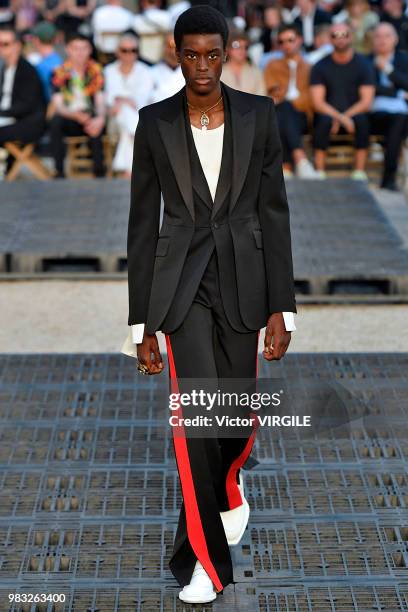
x: 137, y: 332
x: 289, y: 319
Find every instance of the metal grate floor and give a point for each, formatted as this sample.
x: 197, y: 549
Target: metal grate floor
x: 89, y: 492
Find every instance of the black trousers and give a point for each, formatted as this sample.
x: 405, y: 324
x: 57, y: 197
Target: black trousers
x: 322, y: 127
x: 393, y: 127
x: 60, y: 127
x: 205, y: 346
x: 292, y: 125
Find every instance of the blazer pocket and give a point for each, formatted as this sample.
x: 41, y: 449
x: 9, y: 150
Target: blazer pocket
x: 162, y: 246
x: 258, y: 238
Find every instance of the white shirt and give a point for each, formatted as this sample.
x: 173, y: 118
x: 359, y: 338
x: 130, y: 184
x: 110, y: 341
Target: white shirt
x: 113, y: 19
x: 136, y: 85
x: 292, y: 92
x: 167, y: 81
x: 209, y: 148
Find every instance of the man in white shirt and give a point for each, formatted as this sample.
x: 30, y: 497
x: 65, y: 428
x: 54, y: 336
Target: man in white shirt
x: 167, y: 75
x: 128, y: 87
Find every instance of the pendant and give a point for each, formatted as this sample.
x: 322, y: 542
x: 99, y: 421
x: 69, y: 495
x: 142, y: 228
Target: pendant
x: 205, y: 120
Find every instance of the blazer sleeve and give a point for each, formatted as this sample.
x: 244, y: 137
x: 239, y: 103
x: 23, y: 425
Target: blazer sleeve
x: 143, y: 227
x: 275, y: 223
x: 27, y: 95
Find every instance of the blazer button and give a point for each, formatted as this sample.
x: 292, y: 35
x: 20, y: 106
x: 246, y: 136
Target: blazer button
x: 215, y: 225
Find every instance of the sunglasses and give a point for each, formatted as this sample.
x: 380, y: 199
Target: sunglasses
x: 340, y: 34
x: 239, y: 45
x: 124, y: 50
x: 282, y: 41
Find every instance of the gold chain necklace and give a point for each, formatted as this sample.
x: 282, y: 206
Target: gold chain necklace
x: 205, y: 120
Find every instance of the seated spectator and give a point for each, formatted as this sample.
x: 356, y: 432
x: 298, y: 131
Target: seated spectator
x: 79, y: 103
x: 72, y: 15
x: 167, y: 76
x: 22, y: 103
x: 342, y: 88
x: 108, y: 22
x: 362, y: 20
x: 48, y: 59
x: 287, y: 82
x: 7, y: 14
x: 389, y: 115
x: 151, y: 26
x: 128, y: 87
x: 309, y: 15
x: 238, y: 72
x: 272, y: 21
x: 322, y: 45
x: 393, y: 13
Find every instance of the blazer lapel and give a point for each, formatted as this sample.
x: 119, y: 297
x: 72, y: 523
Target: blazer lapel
x: 173, y: 133
x: 243, y: 131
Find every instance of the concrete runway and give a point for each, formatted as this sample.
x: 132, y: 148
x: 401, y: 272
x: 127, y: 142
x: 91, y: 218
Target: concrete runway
x: 91, y: 316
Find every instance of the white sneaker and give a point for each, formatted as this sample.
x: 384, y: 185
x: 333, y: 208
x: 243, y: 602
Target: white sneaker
x: 321, y: 174
x: 359, y: 175
x: 305, y: 170
x: 200, y: 589
x: 236, y: 520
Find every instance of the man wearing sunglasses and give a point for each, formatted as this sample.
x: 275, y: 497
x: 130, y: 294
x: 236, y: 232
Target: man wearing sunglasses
x: 342, y: 88
x: 128, y: 87
x: 287, y: 82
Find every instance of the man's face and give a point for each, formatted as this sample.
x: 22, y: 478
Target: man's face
x: 340, y: 36
x: 169, y: 52
x: 79, y: 51
x: 393, y: 7
x: 8, y: 45
x: 201, y: 57
x: 384, y: 40
x: 289, y: 42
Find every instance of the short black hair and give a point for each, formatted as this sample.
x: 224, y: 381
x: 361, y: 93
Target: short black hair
x: 201, y: 19
x: 77, y: 36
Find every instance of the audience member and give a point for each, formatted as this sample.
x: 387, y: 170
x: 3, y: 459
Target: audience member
x: 79, y: 103
x: 167, y: 76
x: 128, y: 87
x: 287, y: 82
x: 108, y: 22
x: 48, y: 59
x: 389, y: 115
x: 22, y: 103
x: 322, y: 44
x: 308, y: 16
x: 151, y: 25
x: 393, y: 12
x: 237, y: 71
x: 74, y: 15
x: 342, y: 87
x: 272, y: 21
x: 362, y: 20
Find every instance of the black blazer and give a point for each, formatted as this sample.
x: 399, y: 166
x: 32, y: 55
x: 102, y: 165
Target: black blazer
x: 398, y: 77
x: 27, y: 98
x: 258, y: 215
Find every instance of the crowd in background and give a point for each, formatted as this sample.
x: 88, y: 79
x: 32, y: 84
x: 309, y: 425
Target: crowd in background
x: 85, y: 67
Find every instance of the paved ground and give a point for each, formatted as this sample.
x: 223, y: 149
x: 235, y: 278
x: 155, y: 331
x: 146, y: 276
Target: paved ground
x: 91, y: 316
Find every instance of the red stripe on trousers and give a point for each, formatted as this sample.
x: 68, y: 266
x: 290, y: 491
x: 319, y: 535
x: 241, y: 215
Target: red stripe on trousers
x: 233, y: 494
x: 195, y: 529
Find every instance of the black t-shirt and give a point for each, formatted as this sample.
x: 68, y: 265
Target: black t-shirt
x: 342, y: 81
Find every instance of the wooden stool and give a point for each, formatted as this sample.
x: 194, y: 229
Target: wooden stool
x: 24, y: 155
x: 79, y: 158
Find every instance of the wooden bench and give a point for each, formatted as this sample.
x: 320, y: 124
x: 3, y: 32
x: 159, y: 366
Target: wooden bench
x: 79, y: 158
x: 23, y: 154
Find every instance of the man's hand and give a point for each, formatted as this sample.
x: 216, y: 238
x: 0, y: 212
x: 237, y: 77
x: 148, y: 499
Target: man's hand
x: 93, y: 127
x: 348, y: 124
x: 335, y: 126
x: 149, y: 355
x: 277, y: 339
